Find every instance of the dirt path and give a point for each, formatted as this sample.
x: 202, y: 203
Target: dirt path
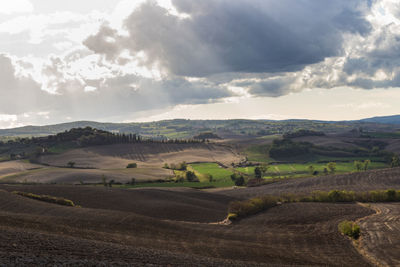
x: 380, y: 237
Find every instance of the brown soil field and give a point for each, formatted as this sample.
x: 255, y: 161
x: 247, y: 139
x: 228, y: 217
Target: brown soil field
x: 380, y: 240
x: 75, y: 175
x: 171, y: 204
x: 39, y: 233
x: 329, y: 141
x: 358, y: 181
x: 146, y: 154
x: 347, y: 142
x: 12, y: 167
x: 394, y: 146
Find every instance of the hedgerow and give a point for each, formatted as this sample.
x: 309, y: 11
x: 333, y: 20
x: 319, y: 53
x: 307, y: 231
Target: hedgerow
x: 47, y: 198
x: 252, y: 206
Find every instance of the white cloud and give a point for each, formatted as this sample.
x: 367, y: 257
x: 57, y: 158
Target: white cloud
x: 191, y: 55
x: 15, y: 6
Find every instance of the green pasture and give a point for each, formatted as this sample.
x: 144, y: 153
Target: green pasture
x: 218, y: 173
x: 297, y: 170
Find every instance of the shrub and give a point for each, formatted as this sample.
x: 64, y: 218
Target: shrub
x: 47, y: 198
x: 252, y: 206
x: 232, y: 216
x: 237, y: 179
x: 71, y: 164
x: 191, y: 176
x: 331, y: 166
x: 350, y: 229
x: 131, y: 165
x: 179, y: 167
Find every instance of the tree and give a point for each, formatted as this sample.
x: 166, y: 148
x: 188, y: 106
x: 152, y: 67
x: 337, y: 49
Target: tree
x: 366, y: 164
x: 210, y: 178
x: 258, y: 172
x: 71, y: 164
x: 239, y: 181
x: 311, y: 169
x: 131, y: 165
x: 331, y: 166
x: 325, y: 171
x: 358, y: 165
x: 395, y: 161
x: 264, y: 168
x: 104, y: 180
x: 191, y: 176
x: 133, y: 181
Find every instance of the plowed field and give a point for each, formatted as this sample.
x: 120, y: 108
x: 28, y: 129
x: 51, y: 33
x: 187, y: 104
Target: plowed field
x: 38, y: 233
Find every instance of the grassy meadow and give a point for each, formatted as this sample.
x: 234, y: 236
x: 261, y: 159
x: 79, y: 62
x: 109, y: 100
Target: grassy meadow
x: 298, y: 170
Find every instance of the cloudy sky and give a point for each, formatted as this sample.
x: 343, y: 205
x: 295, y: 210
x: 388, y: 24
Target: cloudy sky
x: 142, y: 60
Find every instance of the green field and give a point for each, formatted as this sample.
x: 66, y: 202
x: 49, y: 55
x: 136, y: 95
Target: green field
x: 298, y: 170
x: 218, y: 173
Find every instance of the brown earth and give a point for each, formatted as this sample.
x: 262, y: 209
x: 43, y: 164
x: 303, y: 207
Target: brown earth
x: 146, y: 154
x: 328, y: 141
x: 75, y: 175
x: 359, y: 181
x: 171, y: 204
x: 380, y: 240
x: 39, y: 233
x: 13, y: 167
x: 393, y: 145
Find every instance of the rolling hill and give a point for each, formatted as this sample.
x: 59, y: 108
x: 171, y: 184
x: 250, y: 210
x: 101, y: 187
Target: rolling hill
x: 182, y: 128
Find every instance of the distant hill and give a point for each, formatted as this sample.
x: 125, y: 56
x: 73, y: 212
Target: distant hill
x: 394, y: 119
x: 182, y: 128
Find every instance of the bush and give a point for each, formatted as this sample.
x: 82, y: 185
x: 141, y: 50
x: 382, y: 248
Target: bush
x: 47, y: 198
x: 71, y: 164
x: 350, y: 229
x: 237, y: 179
x: 179, y: 167
x: 191, y: 176
x: 131, y: 165
x: 252, y: 206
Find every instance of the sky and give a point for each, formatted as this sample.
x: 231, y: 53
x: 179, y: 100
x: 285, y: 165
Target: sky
x: 144, y: 60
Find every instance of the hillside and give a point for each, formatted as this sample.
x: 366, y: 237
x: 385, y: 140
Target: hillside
x: 394, y: 119
x: 180, y: 128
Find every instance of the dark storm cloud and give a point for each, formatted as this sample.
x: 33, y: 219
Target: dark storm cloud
x: 18, y: 94
x: 237, y: 36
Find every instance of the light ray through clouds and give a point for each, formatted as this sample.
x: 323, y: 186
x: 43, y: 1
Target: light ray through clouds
x: 146, y: 59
